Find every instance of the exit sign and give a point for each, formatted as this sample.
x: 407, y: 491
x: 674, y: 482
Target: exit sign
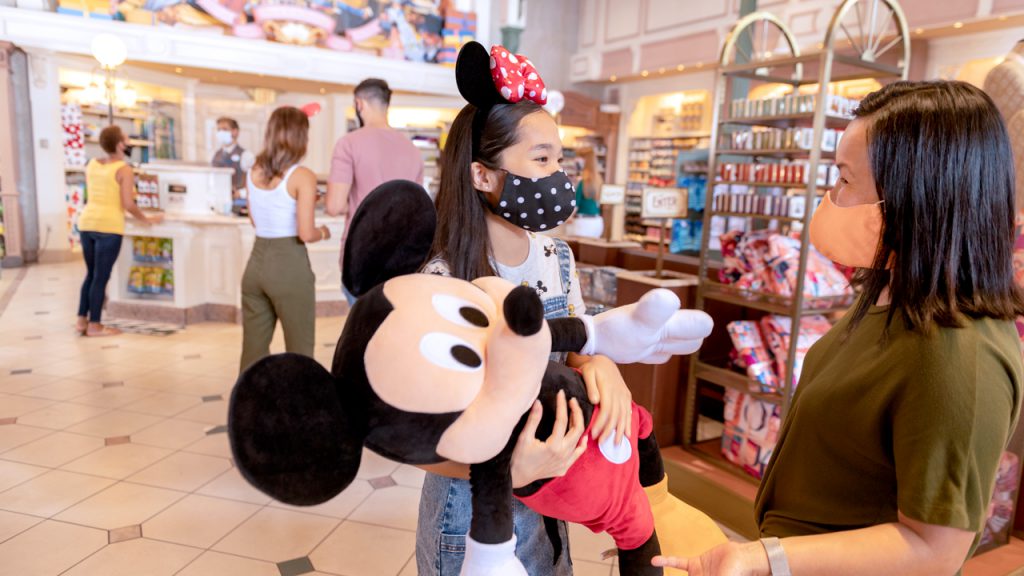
x: 664, y: 203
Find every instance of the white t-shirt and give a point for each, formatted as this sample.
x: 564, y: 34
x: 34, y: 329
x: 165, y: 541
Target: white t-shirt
x: 541, y: 271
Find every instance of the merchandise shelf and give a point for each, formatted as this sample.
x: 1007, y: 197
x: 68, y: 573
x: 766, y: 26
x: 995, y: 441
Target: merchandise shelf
x: 731, y: 379
x: 802, y: 119
x: 764, y: 217
x: 773, y: 303
x: 776, y: 152
x: 768, y: 184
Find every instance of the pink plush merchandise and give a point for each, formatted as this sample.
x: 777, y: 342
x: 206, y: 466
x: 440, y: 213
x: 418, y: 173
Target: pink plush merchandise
x: 751, y: 431
x: 777, y: 331
x: 1000, y: 509
x: 752, y: 354
x: 765, y: 261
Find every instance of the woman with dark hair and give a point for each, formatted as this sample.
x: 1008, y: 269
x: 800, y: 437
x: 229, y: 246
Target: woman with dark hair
x: 887, y: 460
x: 278, y: 283
x: 111, y: 186
x: 588, y: 221
x: 501, y: 183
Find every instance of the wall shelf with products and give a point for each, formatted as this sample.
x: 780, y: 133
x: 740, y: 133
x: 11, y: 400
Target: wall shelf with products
x: 771, y: 161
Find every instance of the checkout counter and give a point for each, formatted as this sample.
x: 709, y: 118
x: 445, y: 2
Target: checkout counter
x: 189, y: 268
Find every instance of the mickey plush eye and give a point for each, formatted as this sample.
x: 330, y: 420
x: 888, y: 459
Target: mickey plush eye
x: 450, y: 352
x: 459, y: 311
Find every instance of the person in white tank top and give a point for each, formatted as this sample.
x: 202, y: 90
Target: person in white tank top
x: 278, y: 283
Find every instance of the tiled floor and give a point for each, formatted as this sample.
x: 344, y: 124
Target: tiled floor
x: 114, y: 460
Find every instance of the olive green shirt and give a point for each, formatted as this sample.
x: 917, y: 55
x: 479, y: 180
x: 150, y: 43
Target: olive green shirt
x: 916, y: 426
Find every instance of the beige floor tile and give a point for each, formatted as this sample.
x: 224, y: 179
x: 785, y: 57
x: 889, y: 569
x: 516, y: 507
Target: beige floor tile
x: 394, y: 507
x: 66, y: 368
x: 54, y: 450
x: 14, y: 384
x: 50, y: 493
x: 113, y: 397
x: 205, y: 386
x: 232, y: 486
x: 209, y: 412
x: 123, y: 504
x: 277, y: 535
x: 373, y: 466
x: 410, y: 476
x: 198, y: 520
x: 14, y: 473
x: 118, y: 461
x: 11, y: 405
x: 211, y: 445
x: 11, y: 524
x: 584, y: 568
x: 63, y: 390
x: 165, y: 379
x: 410, y: 567
x: 139, y: 557
x: 341, y: 506
x: 587, y: 546
x: 112, y: 373
x: 49, y: 548
x: 175, y: 434
x: 164, y: 404
x: 217, y: 564
x: 181, y: 471
x: 14, y: 435
x: 115, y: 423
x: 362, y: 550
x: 61, y: 415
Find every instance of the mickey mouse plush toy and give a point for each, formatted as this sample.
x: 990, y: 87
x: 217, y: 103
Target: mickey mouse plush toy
x: 431, y: 368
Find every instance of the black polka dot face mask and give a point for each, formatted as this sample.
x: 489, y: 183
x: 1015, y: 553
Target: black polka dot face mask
x: 536, y: 204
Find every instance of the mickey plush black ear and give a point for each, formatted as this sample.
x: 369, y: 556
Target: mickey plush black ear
x: 289, y: 433
x: 391, y: 235
x: 473, y: 76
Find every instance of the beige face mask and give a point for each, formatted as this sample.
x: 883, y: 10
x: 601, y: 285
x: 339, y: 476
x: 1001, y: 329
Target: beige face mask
x: 847, y: 235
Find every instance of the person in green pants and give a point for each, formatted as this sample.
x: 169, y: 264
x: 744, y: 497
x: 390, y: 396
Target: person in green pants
x: 278, y: 283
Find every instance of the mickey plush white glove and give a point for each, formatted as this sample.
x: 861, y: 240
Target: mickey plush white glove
x: 491, y: 559
x: 650, y: 331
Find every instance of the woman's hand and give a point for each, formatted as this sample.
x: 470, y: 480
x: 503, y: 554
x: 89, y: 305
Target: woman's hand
x: 729, y: 559
x: 325, y: 233
x: 534, y: 460
x: 605, y: 387
x: 153, y: 219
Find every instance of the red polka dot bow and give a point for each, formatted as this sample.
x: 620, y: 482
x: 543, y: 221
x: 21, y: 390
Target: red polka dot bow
x: 515, y: 77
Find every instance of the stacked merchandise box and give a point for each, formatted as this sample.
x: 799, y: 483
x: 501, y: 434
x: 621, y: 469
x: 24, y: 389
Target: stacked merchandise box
x: 751, y: 431
x: 151, y: 278
x: 459, y: 29
x: 74, y: 137
x: 74, y: 201
x: 147, y: 187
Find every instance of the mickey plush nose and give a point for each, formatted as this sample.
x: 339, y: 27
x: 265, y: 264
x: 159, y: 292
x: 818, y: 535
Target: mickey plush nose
x: 524, y: 312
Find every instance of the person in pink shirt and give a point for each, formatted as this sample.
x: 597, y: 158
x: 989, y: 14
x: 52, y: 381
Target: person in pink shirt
x: 369, y: 156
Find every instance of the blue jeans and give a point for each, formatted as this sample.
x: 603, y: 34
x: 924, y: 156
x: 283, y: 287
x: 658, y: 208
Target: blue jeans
x: 348, y: 296
x: 101, y: 251
x: 445, y: 514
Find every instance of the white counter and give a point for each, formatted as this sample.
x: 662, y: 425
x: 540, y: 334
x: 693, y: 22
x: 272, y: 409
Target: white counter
x: 209, y: 254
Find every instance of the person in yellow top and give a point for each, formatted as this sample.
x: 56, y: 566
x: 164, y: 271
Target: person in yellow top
x: 110, y: 185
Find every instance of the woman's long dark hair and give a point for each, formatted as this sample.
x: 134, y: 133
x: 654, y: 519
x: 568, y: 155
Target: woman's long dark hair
x: 461, y: 239
x: 941, y: 158
x: 284, y: 143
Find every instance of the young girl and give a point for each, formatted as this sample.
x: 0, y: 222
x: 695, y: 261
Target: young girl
x: 501, y: 182
x: 278, y: 281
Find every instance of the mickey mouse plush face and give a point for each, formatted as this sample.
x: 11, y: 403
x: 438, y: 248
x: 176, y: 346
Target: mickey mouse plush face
x: 457, y: 342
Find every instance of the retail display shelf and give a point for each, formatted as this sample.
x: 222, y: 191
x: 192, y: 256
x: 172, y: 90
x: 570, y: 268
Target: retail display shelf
x: 697, y: 475
x: 773, y: 303
x: 734, y: 380
x: 122, y: 115
x: 777, y: 153
x: 710, y: 451
x: 786, y: 120
x: 74, y: 169
x: 769, y: 184
x: 765, y: 217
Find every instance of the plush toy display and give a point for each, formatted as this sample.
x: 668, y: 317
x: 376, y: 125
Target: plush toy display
x: 431, y: 368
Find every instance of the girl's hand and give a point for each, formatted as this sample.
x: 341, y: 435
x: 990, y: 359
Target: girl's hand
x: 534, y: 460
x: 605, y: 387
x: 730, y: 559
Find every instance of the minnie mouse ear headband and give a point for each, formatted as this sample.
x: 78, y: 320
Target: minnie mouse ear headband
x: 498, y: 77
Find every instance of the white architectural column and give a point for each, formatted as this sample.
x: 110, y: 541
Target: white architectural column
x: 44, y: 93
x: 189, y: 123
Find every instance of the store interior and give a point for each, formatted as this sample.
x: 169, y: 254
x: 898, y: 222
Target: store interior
x: 714, y: 129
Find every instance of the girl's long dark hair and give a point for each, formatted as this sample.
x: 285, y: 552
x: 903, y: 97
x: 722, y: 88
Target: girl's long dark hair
x: 941, y: 158
x: 284, y: 143
x: 461, y: 238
